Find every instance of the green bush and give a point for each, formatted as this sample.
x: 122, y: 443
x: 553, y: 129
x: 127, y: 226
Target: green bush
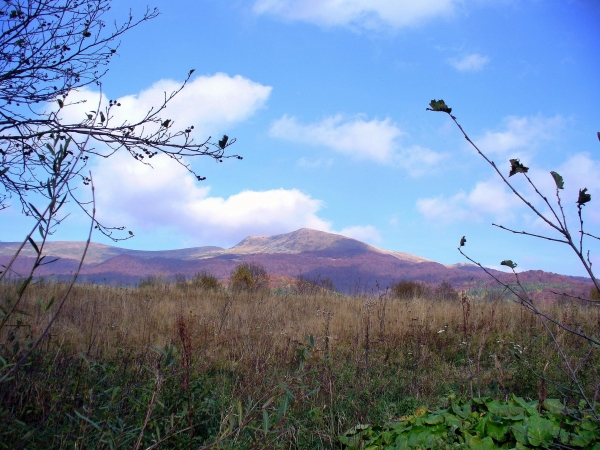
x: 409, y: 289
x: 249, y: 277
x: 483, y: 423
x: 206, y: 281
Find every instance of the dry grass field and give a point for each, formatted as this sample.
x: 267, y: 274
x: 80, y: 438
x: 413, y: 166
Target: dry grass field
x: 174, y: 366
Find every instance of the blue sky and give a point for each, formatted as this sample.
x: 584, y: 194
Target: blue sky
x: 327, y: 101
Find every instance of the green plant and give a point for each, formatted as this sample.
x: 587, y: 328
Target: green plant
x: 249, y: 277
x: 409, y: 289
x: 482, y: 423
x: 205, y: 281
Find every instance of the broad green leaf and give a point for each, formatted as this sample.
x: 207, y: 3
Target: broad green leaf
x: 560, y: 184
x: 433, y: 419
x: 541, y: 432
x: 553, y: 406
x: 464, y: 413
x: 519, y: 431
x: 497, y: 430
x: 476, y: 443
x: 517, y: 167
x: 574, y: 440
x: 530, y: 407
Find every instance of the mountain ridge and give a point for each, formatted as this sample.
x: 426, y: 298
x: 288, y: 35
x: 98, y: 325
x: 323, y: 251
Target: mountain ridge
x: 348, y: 262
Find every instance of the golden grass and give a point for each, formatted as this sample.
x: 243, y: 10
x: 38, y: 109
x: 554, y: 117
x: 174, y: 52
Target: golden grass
x: 239, y: 327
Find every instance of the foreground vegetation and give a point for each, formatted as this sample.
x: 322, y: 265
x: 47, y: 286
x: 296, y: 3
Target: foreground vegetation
x: 184, y: 366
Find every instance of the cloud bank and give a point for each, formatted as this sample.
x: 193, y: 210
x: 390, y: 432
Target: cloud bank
x: 359, y: 14
x: 360, y: 139
x: 520, y: 135
x: 486, y: 198
x: 210, y: 103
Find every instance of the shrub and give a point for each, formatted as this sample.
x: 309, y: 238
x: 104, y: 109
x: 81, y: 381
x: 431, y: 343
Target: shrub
x: 594, y: 294
x: 151, y: 281
x: 304, y: 285
x: 445, y: 291
x: 249, y: 277
x: 205, y: 281
x: 409, y: 289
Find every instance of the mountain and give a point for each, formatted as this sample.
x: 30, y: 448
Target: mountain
x: 352, y: 265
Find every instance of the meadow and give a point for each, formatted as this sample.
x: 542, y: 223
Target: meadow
x: 173, y: 365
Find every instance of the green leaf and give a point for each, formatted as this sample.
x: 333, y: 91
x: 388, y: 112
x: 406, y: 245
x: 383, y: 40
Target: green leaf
x: 519, y: 431
x: 560, y: 184
x: 433, y: 419
x: 517, y: 167
x: 509, y: 263
x: 553, y: 406
x: 497, y: 430
x: 94, y: 424
x: 265, y: 422
x: 439, y: 105
x: 476, y: 443
x: 541, y: 431
x: 33, y: 244
x: 24, y: 285
x: 530, y: 407
x: 584, y: 197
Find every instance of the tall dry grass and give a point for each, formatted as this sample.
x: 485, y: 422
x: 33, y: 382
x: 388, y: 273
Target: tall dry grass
x: 374, y: 358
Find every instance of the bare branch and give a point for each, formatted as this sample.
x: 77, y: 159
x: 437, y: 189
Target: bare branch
x: 531, y: 234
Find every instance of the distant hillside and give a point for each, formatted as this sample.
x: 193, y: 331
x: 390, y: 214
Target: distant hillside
x: 352, y: 265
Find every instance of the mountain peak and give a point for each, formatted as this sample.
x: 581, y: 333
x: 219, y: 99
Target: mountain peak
x: 302, y: 240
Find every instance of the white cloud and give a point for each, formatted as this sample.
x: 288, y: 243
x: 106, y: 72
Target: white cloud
x: 361, y: 139
x: 520, y: 135
x: 418, y: 160
x: 365, y: 14
x: 132, y: 194
x: 366, y: 233
x: 469, y: 63
x: 210, y: 103
x: 486, y: 198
